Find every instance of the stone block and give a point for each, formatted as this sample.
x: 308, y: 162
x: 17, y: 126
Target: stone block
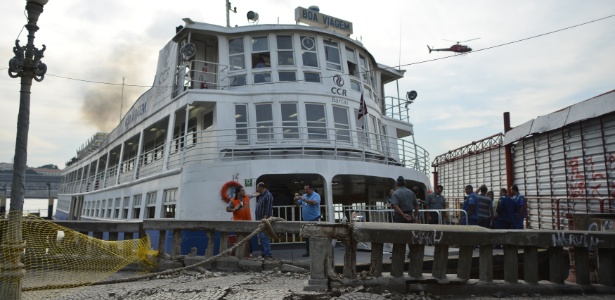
x: 164, y: 265
x: 316, y: 285
x: 251, y: 265
x: 191, y: 260
x: 229, y: 263
x: 269, y: 265
x: 293, y: 269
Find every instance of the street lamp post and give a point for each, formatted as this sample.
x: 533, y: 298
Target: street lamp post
x: 27, y: 65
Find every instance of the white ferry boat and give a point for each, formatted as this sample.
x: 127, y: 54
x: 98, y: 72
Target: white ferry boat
x: 281, y: 104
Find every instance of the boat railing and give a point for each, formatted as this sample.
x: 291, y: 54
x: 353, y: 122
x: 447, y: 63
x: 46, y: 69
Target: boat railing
x: 255, y: 143
x: 110, y: 178
x: 339, y: 143
x: 199, y: 74
x: 150, y: 161
x: 397, y: 108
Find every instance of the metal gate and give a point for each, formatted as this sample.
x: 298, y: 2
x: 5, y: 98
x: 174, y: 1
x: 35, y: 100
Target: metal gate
x: 563, y: 162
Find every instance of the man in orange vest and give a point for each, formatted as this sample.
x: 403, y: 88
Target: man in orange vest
x: 240, y: 207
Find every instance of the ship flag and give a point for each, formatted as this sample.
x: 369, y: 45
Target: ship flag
x: 362, y: 108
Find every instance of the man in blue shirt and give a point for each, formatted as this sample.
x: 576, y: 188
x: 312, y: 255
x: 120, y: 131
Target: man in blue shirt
x: 520, y: 208
x: 310, y: 209
x: 504, y: 213
x: 264, y: 210
x: 469, y: 205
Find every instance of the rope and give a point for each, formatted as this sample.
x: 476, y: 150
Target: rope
x: 265, y: 223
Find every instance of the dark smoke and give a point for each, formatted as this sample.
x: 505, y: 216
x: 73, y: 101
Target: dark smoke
x: 101, y: 105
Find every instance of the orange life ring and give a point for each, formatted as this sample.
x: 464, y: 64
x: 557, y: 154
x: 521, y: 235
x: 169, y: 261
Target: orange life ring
x: 225, y: 187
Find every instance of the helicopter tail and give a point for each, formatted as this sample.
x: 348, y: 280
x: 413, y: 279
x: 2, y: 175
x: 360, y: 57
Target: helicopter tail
x: 429, y: 48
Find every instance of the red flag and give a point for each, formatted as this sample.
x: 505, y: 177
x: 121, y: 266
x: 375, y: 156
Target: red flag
x: 362, y: 108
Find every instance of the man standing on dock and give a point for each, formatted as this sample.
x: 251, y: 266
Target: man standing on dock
x: 310, y: 210
x: 404, y: 203
x: 520, y: 208
x: 436, y: 201
x: 264, y: 210
x: 469, y: 205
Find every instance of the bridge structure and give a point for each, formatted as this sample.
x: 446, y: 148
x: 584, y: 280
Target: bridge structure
x: 38, y: 186
x: 536, y: 261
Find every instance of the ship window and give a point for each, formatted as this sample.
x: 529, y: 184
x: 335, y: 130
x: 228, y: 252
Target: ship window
x: 170, y: 198
x: 311, y: 77
x: 362, y: 130
x: 332, y: 54
x: 342, y: 127
x: 151, y: 205
x: 364, y: 69
x: 241, y: 122
x: 109, y: 205
x: 288, y: 76
x: 290, y: 121
x: 308, y: 51
x: 285, y: 51
x: 264, y: 122
x: 262, y: 77
x: 351, y: 60
x: 316, y: 121
x: 355, y: 85
x: 126, y: 207
x: 208, y: 120
x: 238, y: 80
x: 384, y: 138
x: 116, y: 211
x: 376, y: 135
x: 191, y: 136
x: 260, y: 52
x: 136, y: 212
x: 236, y: 51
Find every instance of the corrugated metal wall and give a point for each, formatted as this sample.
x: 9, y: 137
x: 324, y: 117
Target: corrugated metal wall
x: 567, y: 170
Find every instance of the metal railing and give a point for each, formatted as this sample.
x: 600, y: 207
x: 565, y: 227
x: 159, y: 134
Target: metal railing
x: 273, y: 143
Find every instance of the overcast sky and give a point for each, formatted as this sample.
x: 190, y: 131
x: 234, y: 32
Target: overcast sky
x: 460, y: 99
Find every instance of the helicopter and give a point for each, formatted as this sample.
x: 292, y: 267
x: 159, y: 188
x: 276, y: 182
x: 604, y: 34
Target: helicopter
x: 454, y: 48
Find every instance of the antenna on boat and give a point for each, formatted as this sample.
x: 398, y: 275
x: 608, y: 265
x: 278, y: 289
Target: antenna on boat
x: 228, y: 17
x: 122, y: 99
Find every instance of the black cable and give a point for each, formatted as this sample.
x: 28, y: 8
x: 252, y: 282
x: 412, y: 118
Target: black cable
x: 325, y: 77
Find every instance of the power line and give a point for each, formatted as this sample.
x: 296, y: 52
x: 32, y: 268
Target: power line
x: 391, y: 67
x: 509, y: 43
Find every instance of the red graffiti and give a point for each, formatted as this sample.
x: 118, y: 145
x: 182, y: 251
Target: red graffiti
x: 595, y: 176
x: 576, y: 189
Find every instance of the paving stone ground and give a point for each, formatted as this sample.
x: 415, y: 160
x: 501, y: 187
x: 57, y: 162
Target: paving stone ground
x: 246, y: 286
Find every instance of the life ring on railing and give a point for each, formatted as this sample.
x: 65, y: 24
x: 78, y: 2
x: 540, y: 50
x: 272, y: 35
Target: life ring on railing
x: 224, y: 191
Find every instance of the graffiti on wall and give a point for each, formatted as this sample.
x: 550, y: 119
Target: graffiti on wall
x: 580, y: 185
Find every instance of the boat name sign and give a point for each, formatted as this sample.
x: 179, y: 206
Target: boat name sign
x: 138, y: 110
x: 315, y: 18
